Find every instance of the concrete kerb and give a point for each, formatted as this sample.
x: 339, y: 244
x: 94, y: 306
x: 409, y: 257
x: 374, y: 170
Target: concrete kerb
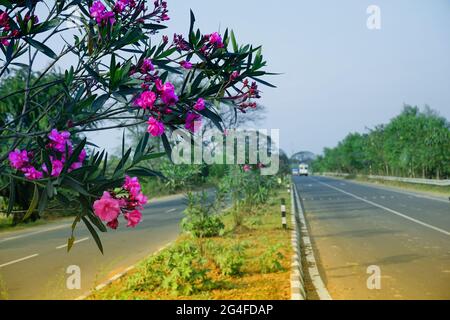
x: 307, y: 249
x: 297, y: 281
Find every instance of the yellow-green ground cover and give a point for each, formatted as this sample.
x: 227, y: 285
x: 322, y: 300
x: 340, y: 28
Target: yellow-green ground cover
x: 261, y: 245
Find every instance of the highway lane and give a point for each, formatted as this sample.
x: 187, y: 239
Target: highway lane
x: 354, y: 226
x: 33, y: 262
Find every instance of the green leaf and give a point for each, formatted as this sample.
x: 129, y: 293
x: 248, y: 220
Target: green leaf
x: 215, y: 118
x: 100, y: 101
x: 12, y: 195
x: 76, y: 152
x: 123, y: 161
x: 93, y: 233
x: 43, y: 201
x: 263, y: 82
x: 145, y: 172
x: 6, y: 3
x: 233, y: 42
x: 33, y: 203
x: 153, y: 156
x: 96, y: 221
x: 167, y: 146
x: 166, y: 53
x: 75, y: 185
x: 70, y: 243
x: 50, y: 189
x: 41, y: 47
x: 153, y: 26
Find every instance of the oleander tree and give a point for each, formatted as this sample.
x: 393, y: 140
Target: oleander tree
x: 120, y: 75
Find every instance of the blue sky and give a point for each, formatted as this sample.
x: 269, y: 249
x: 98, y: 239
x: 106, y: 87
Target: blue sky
x: 337, y: 75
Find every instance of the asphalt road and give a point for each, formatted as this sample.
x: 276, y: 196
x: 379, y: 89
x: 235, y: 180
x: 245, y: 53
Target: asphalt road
x: 34, y: 262
x: 357, y: 229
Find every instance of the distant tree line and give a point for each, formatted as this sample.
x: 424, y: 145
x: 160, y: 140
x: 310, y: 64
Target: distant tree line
x: 413, y: 144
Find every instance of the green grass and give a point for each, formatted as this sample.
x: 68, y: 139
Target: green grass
x: 6, y: 224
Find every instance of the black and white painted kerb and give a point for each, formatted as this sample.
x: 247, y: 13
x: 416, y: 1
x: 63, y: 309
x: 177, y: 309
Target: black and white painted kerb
x: 283, y: 214
x: 306, y: 247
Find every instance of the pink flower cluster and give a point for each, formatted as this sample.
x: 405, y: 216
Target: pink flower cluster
x: 247, y: 167
x: 193, y: 121
x: 6, y: 30
x: 128, y: 200
x: 155, y: 127
x: 128, y: 8
x: 100, y: 14
x: 57, y: 141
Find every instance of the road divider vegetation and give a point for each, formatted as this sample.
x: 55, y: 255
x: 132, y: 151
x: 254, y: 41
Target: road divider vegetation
x: 244, y: 256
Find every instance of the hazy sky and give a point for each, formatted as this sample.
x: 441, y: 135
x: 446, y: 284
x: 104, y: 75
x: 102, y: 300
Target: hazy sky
x: 338, y: 76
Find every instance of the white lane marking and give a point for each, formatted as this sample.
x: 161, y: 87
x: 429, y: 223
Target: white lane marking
x: 35, y: 232
x: 171, y: 210
x: 76, y: 241
x: 387, y: 209
x: 18, y: 260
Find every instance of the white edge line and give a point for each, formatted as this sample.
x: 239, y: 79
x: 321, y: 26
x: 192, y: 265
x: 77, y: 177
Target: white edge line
x: 75, y: 242
x: 18, y: 260
x: 316, y: 279
x: 171, y: 210
x: 393, y: 189
x: 387, y: 209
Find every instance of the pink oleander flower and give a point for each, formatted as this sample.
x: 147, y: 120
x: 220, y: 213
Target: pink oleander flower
x: 82, y: 156
x: 132, y: 185
x: 193, y: 122
x: 97, y: 10
x: 18, y: 159
x: 141, y: 199
x: 247, y: 168
x: 147, y: 66
x: 99, y: 13
x: 4, y: 19
x: 216, y: 39
x: 234, y: 75
x: 121, y: 5
x: 113, y: 224
x: 200, y: 104
x: 155, y: 127
x: 167, y: 92
x: 57, y: 166
x: 109, y: 16
x: 186, y: 65
x: 31, y: 173
x: 107, y: 208
x: 75, y: 165
x: 133, y: 218
x: 5, y: 42
x: 146, y: 100
x: 58, y: 140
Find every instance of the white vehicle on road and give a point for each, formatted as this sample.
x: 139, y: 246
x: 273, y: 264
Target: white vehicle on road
x: 303, y: 169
